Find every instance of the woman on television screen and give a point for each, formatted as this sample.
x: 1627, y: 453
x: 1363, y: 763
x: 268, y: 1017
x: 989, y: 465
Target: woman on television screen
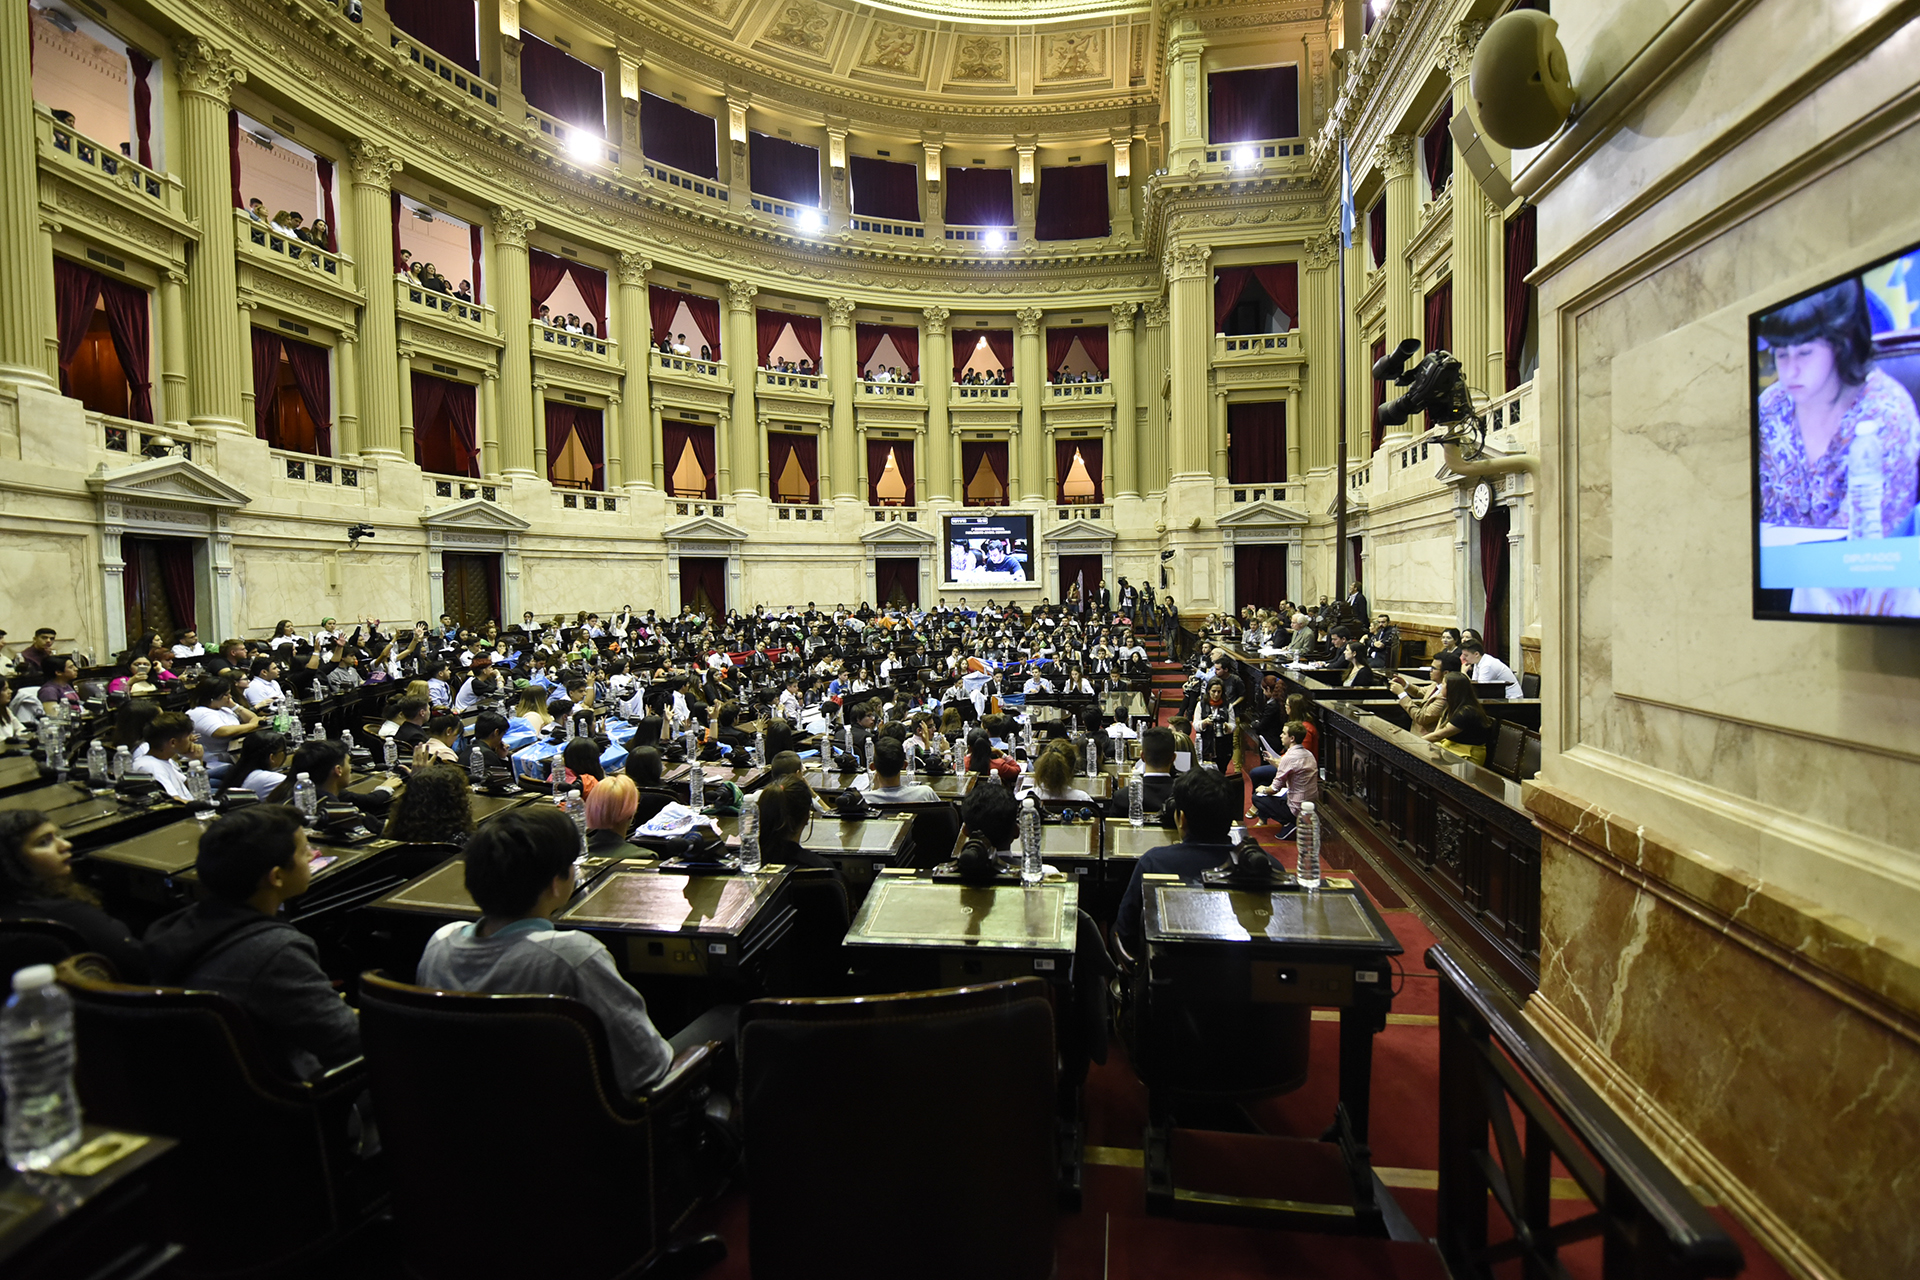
x: 1825, y: 389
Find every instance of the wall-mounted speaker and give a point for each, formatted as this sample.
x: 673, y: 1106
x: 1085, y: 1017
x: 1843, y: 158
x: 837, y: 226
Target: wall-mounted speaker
x: 1520, y: 83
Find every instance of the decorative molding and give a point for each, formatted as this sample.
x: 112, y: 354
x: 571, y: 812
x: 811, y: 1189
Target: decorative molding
x: 1186, y: 262
x: 510, y: 227
x: 1456, y: 52
x: 374, y: 163
x: 634, y: 267
x: 1030, y: 319
x: 740, y: 295
x: 1154, y: 313
x: 936, y: 319
x: 206, y: 68
x: 1123, y: 313
x: 1394, y: 156
x: 840, y: 312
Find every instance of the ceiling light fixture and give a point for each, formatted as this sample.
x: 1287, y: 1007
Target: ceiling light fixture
x: 810, y: 220
x: 1243, y: 157
x: 996, y: 239
x: 583, y: 146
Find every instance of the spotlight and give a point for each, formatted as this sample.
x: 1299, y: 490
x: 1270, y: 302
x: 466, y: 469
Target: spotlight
x: 584, y: 146
x: 996, y: 240
x: 1243, y: 157
x: 810, y: 220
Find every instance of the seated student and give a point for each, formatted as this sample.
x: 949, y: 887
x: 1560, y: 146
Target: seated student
x: 435, y: 808
x: 403, y: 710
x: 489, y: 734
x: 1204, y: 805
x: 786, y: 808
x: 610, y: 810
x: 1053, y: 773
x: 531, y: 707
x: 220, y: 724
x: 170, y: 745
x: 1425, y: 702
x: 581, y: 760
x: 1182, y: 729
x: 263, y: 687
x: 519, y: 871
x: 889, y: 758
x: 645, y: 769
x: 991, y: 817
x: 438, y: 691
x: 260, y: 765
x: 1465, y: 727
x: 250, y: 862
x: 436, y: 738
x: 1295, y: 781
x: 1155, y: 769
x: 329, y: 767
x: 36, y: 883
x: 1482, y: 667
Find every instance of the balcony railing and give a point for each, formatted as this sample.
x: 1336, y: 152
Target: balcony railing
x: 458, y: 79
x: 1257, y: 346
x: 687, y: 366
x: 1248, y: 154
x: 1079, y: 391
x: 415, y: 299
x: 801, y: 511
x: 69, y: 146
x: 891, y: 391
x: 450, y: 489
x: 314, y: 469
x: 794, y: 213
x: 263, y: 238
x: 887, y: 227
x: 575, y: 498
x: 672, y: 177
x: 549, y: 341
x: 786, y: 380
x: 1276, y: 491
x: 963, y: 391
x: 984, y: 235
x: 583, y: 146
x: 885, y: 514
x: 148, y: 440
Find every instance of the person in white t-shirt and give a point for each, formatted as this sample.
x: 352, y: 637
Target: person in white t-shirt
x: 264, y: 688
x: 186, y: 644
x: 1482, y: 667
x: 219, y: 724
x: 170, y: 745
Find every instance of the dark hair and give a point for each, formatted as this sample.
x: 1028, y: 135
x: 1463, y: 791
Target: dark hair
x: 1297, y: 729
x: 238, y: 850
x: 1837, y: 316
x: 131, y: 721
x: 488, y: 723
x: 1449, y: 660
x: 1208, y: 800
x: 167, y: 726
x: 440, y: 724
x: 406, y: 708
x: 889, y: 757
x: 643, y: 766
x: 212, y: 689
x: 979, y: 752
x: 1460, y: 695
x: 582, y: 756
x: 256, y: 753
x: 786, y: 806
x: 991, y: 814
x: 435, y: 807
x: 1156, y: 746
x: 1475, y: 645
x: 261, y: 663
x: 317, y: 757
x: 512, y: 859
x: 17, y: 881
x: 784, y: 762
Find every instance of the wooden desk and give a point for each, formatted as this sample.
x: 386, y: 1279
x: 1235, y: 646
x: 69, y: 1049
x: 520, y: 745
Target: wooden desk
x: 54, y: 1227
x: 917, y: 930
x: 47, y: 797
x: 18, y: 773
x: 157, y: 866
x: 1222, y: 947
x: 486, y: 806
x: 661, y: 923
x: 948, y: 786
x: 1072, y: 848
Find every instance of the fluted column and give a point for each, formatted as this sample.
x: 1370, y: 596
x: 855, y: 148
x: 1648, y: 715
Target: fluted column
x: 346, y: 417
x: 1403, y: 318
x: 174, y: 407
x: 1030, y: 376
x: 513, y: 293
x: 370, y: 232
x: 936, y: 372
x: 845, y: 446
x: 1190, y: 342
x: 743, y: 359
x: 542, y: 465
x: 1473, y: 312
x: 218, y: 358
x: 489, y: 422
x: 403, y: 378
x: 1310, y: 441
x: 1126, y: 418
x: 636, y: 404
x: 1153, y: 452
x: 26, y: 266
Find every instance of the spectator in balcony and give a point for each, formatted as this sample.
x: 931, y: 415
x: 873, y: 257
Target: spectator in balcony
x: 256, y: 210
x: 465, y: 291
x: 587, y: 329
x: 318, y: 234
x: 545, y: 316
x: 573, y: 323
x: 62, y: 116
x: 406, y: 264
x: 706, y: 353
x: 680, y: 347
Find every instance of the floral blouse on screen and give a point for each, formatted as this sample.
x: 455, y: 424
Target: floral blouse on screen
x: 1812, y: 494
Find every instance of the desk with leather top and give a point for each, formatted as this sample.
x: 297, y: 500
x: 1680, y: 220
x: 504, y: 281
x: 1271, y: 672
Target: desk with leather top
x: 828, y: 782
x: 157, y: 866
x: 89, y: 820
x: 489, y: 806
x: 916, y: 933
x: 114, y: 1223
x: 860, y: 848
x: 18, y: 773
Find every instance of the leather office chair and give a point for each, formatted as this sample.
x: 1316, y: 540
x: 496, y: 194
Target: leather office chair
x: 1504, y: 759
x: 512, y: 1145
x: 957, y: 1085
x: 815, y: 959
x: 1529, y: 757
x: 1530, y: 684
x: 936, y: 825
x: 29, y: 941
x: 266, y: 1174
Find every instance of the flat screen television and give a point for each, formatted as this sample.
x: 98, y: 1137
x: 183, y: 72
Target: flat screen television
x: 1836, y: 448
x: 989, y: 551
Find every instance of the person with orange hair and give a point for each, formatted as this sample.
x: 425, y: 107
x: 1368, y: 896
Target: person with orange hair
x: 610, y: 809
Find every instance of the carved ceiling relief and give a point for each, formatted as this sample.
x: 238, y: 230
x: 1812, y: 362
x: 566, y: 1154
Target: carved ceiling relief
x: 897, y: 49
x: 982, y: 58
x: 1077, y: 55
x: 804, y: 25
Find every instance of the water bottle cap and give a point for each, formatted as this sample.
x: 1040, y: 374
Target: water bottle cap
x: 301, y: 777
x: 1306, y: 806
x: 33, y: 977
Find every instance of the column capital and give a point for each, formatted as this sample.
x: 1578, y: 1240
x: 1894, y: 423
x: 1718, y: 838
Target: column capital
x: 374, y: 163
x: 1456, y: 51
x: 840, y: 312
x: 1123, y: 313
x: 740, y: 295
x: 510, y: 227
x: 936, y: 319
x: 1029, y: 318
x: 1154, y: 313
x: 634, y: 268
x: 206, y: 68
x: 1322, y: 250
x: 1394, y: 156
x: 1186, y: 261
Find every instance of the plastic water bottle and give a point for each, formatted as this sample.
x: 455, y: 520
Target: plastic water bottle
x: 121, y: 762
x: 390, y: 748
x: 477, y: 766
x: 36, y: 1061
x: 197, y: 785
x: 760, y: 748
x: 305, y: 798
x: 1137, y: 800
x: 959, y: 756
x: 849, y: 739
x: 870, y: 749
x: 296, y: 730
x: 53, y: 738
x: 1866, y: 482
x: 1093, y: 757
x: 1307, y: 836
x: 907, y: 747
x: 1031, y: 869
x: 575, y: 807
x: 750, y: 835
x: 97, y: 763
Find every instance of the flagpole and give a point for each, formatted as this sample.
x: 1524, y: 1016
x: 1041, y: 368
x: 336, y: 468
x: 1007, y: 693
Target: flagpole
x: 1344, y: 240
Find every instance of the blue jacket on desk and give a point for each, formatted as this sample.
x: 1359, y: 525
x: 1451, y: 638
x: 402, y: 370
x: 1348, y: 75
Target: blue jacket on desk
x: 1185, y: 860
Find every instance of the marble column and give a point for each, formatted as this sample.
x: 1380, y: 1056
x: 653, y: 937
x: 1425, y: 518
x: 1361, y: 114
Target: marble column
x: 636, y: 404
x: 1311, y: 439
x: 370, y: 233
x: 1474, y: 312
x: 1217, y: 432
x: 513, y: 294
x: 1030, y: 376
x: 489, y: 422
x: 845, y: 444
x: 1153, y: 451
x: 1404, y: 317
x: 1124, y: 457
x: 1359, y: 423
x: 347, y: 374
x: 174, y: 406
x: 1190, y: 343
x: 932, y: 209
x: 1026, y: 190
x: 403, y: 377
x: 1186, y: 84
x: 936, y: 373
x: 743, y: 361
x: 537, y: 415
x: 219, y: 357
x: 26, y: 267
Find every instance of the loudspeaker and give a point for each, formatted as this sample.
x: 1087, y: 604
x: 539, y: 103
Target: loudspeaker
x: 1479, y: 161
x: 1520, y: 83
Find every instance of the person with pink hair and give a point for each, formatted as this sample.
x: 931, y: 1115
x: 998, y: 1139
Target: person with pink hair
x: 610, y: 807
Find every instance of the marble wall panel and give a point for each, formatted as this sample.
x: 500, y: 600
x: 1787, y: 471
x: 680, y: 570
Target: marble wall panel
x: 567, y: 582
x: 271, y: 583
x: 52, y: 581
x: 825, y: 580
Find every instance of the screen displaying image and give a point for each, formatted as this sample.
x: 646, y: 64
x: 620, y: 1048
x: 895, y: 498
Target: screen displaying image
x: 989, y: 550
x: 1836, y: 449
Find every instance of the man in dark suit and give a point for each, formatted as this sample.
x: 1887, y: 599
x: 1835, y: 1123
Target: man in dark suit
x: 1204, y: 807
x: 1357, y: 606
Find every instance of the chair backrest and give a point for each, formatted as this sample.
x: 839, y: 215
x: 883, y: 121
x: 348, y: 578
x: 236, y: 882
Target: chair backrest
x: 981, y: 1149
x: 1529, y: 757
x: 1530, y: 684
x: 258, y: 1172
x: 935, y: 826
x: 815, y: 963
x: 1505, y: 756
x: 468, y: 1084
x: 29, y: 940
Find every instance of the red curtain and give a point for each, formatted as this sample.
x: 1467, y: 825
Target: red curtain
x: 1259, y: 576
x: 974, y: 452
x: 1521, y: 249
x: 473, y: 240
x: 233, y: 156
x: 980, y: 197
x: 1375, y: 356
x: 1072, y: 203
x: 1092, y: 452
x: 769, y: 325
x: 896, y: 576
x: 127, y: 324
x: 1059, y: 342
x: 784, y: 170
x: 1437, y: 149
x: 1257, y: 442
x: 175, y: 557
x: 662, y: 304
x: 559, y: 427
x: 1281, y: 280
x: 806, y: 331
x: 678, y: 136
x: 1227, y: 284
x: 884, y: 188
x: 266, y: 384
x: 394, y: 206
x: 561, y: 85
x: 706, y: 317
x: 445, y: 435
x: 877, y: 451
x: 1000, y: 342
x: 1439, y: 318
x: 780, y: 446
x: 1094, y: 339
x: 866, y: 341
x: 76, y: 290
x: 1493, y: 572
x: 569, y: 419
x: 674, y: 438
x: 463, y: 424
x: 592, y: 284
x: 1377, y: 231
x: 324, y: 168
x: 703, y: 574
x: 142, y: 67
x: 309, y: 365
x: 545, y: 271
x: 906, y: 340
x: 1253, y: 105
x: 1083, y: 570
x: 450, y: 30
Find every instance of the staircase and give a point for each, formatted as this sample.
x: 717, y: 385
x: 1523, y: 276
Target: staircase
x: 1168, y: 677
